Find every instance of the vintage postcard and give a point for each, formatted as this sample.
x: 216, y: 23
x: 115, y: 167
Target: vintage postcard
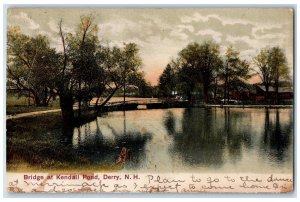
x: 147, y: 100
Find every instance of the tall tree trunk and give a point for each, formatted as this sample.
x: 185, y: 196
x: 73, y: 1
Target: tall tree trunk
x: 79, y: 98
x: 205, y: 92
x: 224, y: 93
x: 124, y: 95
x: 276, y: 85
x: 66, y: 105
x: 48, y: 99
x: 99, y: 93
x: 45, y: 97
x: 267, y: 92
x: 108, y: 98
x: 189, y: 96
x: 276, y: 92
x: 225, y: 88
x: 29, y: 98
x: 215, y: 89
x: 96, y: 104
x: 37, y: 100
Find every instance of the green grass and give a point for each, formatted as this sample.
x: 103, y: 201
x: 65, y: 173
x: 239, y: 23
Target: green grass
x: 12, y: 110
x: 13, y: 100
x: 17, y: 105
x: 31, y: 147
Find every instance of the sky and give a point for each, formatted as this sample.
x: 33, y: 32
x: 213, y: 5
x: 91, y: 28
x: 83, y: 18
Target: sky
x: 161, y: 33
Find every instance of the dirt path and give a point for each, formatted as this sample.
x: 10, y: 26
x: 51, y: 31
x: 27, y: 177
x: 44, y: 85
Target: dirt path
x: 114, y: 99
x: 8, y: 117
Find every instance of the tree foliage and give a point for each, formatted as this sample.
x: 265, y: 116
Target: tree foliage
x: 272, y: 66
x: 167, y: 82
x: 84, y: 69
x: 196, y: 65
x: 31, y: 65
x: 262, y: 61
x: 93, y: 68
x: 233, y: 69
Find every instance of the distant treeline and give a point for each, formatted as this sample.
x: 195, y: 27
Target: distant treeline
x: 82, y: 69
x: 201, y: 69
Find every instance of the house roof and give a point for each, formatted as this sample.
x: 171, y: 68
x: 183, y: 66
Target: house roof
x: 280, y: 89
x: 253, y: 79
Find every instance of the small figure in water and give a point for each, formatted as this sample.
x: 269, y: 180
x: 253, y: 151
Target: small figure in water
x: 123, y: 156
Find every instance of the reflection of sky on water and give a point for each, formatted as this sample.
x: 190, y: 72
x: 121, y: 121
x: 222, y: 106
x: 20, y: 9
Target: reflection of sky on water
x: 198, y: 140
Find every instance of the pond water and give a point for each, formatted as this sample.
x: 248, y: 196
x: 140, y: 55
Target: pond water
x: 192, y: 140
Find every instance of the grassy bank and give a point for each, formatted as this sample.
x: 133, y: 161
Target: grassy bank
x: 18, y: 105
x: 32, y: 148
x: 12, y: 110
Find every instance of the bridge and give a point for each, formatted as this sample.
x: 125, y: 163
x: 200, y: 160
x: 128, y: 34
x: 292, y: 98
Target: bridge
x: 144, y: 104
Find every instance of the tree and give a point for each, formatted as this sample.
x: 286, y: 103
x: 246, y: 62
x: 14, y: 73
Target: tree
x: 82, y: 70
x: 233, y: 69
x: 31, y: 65
x: 82, y: 47
x: 102, y: 75
x: 279, y: 69
x: 113, y: 65
x: 272, y: 66
x: 186, y: 81
x: 131, y: 62
x: 144, y: 88
x: 167, y: 82
x: 119, y: 65
x: 188, y: 63
x: 65, y: 83
x: 210, y: 62
x: 199, y: 64
x: 262, y: 61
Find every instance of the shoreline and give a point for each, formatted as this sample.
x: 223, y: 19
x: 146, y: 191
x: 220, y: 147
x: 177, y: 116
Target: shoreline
x: 37, y: 113
x: 250, y: 106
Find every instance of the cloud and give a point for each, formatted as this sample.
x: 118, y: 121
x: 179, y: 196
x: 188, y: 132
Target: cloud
x: 248, y: 54
x: 182, y: 27
x: 270, y: 32
x: 125, y: 29
x: 209, y: 32
x: 24, y: 20
x: 226, y: 26
x: 120, y: 43
x: 116, y: 27
x: 53, y: 25
x: 262, y: 30
x: 182, y: 31
x: 157, y: 21
x: 252, y: 43
x: 197, y: 17
x: 179, y: 34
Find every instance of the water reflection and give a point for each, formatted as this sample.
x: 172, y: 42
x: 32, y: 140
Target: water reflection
x: 276, y: 137
x: 106, y: 146
x: 238, y: 132
x: 194, y: 139
x: 209, y: 137
x: 198, y: 142
x: 169, y: 122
